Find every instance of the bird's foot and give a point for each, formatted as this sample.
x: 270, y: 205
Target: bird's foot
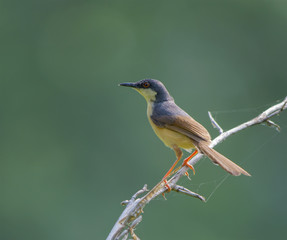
x: 185, y: 161
x: 187, y: 175
x: 167, y: 186
x: 190, y: 166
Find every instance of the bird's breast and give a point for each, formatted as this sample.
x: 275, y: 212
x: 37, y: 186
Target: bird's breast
x: 169, y: 137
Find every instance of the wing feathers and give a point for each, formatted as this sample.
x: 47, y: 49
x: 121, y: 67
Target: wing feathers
x: 185, y: 125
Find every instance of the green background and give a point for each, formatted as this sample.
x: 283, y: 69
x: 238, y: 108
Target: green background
x: 73, y: 144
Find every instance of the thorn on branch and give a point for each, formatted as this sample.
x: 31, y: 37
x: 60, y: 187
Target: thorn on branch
x: 214, y: 123
x: 181, y: 189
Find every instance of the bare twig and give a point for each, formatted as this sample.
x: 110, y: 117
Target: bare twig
x: 214, y: 123
x: 128, y: 216
x: 131, y: 216
x: 273, y: 124
x: 186, y: 191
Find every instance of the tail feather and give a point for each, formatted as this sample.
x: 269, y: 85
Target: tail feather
x: 222, y: 161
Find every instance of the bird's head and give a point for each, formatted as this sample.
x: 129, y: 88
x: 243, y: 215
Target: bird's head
x: 152, y: 90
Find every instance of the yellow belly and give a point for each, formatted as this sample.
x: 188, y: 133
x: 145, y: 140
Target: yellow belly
x: 171, y: 138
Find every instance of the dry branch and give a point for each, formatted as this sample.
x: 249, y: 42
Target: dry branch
x: 131, y: 216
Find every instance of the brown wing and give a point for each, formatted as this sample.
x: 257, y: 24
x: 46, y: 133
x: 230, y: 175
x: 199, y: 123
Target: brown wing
x: 185, y: 125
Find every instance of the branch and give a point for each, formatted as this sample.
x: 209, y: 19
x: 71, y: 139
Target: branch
x: 131, y: 216
x: 214, y: 123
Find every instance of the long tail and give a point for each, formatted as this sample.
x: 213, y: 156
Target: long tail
x: 222, y: 161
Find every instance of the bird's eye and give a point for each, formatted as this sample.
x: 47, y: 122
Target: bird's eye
x: 146, y: 84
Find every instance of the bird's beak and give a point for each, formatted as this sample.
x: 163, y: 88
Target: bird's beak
x: 133, y: 85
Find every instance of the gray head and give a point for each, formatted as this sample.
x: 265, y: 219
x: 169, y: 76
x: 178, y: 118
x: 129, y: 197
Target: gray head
x: 152, y: 90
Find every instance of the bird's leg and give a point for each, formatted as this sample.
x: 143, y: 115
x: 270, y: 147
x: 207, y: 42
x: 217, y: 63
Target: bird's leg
x: 167, y: 174
x: 185, y: 161
x: 178, y: 154
x: 172, y: 167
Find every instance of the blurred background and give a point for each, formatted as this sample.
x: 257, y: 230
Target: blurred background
x: 73, y: 144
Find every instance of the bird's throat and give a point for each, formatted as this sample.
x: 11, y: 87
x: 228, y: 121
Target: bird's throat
x: 149, y: 108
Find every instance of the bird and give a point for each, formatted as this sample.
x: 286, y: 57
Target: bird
x: 177, y: 129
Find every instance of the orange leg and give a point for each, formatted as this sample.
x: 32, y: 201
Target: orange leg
x: 178, y: 154
x: 185, y: 161
x: 172, y: 167
x: 167, y: 174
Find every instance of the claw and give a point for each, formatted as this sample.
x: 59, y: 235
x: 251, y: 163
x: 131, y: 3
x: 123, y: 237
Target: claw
x: 185, y: 161
x: 187, y: 175
x: 191, y: 167
x: 163, y: 196
x: 167, y: 186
